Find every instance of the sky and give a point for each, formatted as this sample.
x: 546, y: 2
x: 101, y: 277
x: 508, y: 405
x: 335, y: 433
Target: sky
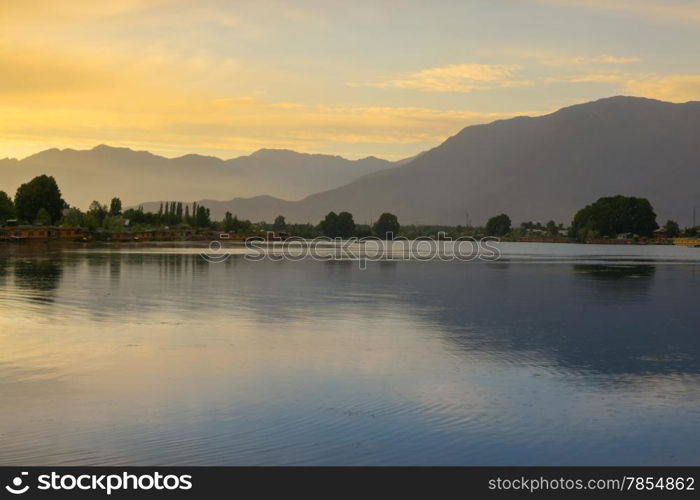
x: 383, y: 78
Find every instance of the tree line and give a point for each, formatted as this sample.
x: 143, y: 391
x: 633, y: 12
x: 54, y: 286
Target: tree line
x: 37, y: 201
x: 340, y: 225
x: 607, y: 217
x: 40, y: 202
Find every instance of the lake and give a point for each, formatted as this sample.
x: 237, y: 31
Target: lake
x: 553, y: 355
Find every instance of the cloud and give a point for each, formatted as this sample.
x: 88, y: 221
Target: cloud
x: 249, y: 123
x: 72, y: 99
x: 238, y: 125
x: 615, y: 60
x: 74, y: 11
x: 674, y: 88
x: 587, y: 78
x: 584, y: 61
x: 30, y: 71
x: 456, y: 78
x: 173, y: 103
x: 601, y: 68
x: 556, y: 58
x: 213, y: 76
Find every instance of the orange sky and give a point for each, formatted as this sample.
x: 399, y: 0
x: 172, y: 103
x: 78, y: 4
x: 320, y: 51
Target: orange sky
x: 363, y: 78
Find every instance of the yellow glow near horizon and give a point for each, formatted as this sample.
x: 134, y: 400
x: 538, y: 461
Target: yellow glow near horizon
x: 227, y: 78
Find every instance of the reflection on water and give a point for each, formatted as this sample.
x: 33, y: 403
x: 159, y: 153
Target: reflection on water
x: 618, y: 273
x: 39, y: 275
x: 135, y: 356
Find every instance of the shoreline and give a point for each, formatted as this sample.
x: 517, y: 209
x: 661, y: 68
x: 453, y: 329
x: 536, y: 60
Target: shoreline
x: 204, y: 243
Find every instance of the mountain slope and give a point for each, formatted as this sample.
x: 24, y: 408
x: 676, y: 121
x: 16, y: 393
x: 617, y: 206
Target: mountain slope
x: 104, y: 172
x: 537, y: 168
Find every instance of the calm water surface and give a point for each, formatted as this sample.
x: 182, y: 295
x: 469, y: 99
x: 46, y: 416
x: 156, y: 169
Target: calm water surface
x: 558, y: 354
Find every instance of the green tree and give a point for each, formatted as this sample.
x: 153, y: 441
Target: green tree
x: 339, y: 225
x: 40, y: 192
x: 302, y: 230
x: 178, y: 212
x: 387, y: 223
x: 280, y: 223
x: 552, y: 228
x: 498, y: 225
x: 346, y: 225
x: 43, y: 218
x: 228, y: 222
x: 232, y: 223
x: 113, y: 223
x: 97, y: 212
x: 241, y: 226
x: 673, y: 230
x: 73, y: 217
x: 613, y: 215
x: 329, y: 225
x: 115, y: 207
x: 7, y: 207
x: 202, y: 217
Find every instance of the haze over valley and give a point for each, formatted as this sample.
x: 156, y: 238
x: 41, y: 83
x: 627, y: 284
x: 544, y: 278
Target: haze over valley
x: 103, y: 172
x: 539, y: 168
x: 533, y: 168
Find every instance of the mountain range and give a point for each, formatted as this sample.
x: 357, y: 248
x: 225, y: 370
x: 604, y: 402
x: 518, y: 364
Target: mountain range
x: 532, y: 168
x: 104, y: 172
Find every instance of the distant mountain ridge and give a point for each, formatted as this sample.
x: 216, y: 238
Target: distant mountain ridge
x: 532, y: 168
x: 104, y: 172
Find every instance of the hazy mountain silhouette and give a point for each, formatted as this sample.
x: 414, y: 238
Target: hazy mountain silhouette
x: 104, y: 172
x: 537, y: 168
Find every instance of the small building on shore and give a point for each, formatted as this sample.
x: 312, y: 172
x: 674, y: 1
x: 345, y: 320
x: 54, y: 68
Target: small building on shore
x: 42, y: 233
x: 661, y: 234
x: 158, y: 235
